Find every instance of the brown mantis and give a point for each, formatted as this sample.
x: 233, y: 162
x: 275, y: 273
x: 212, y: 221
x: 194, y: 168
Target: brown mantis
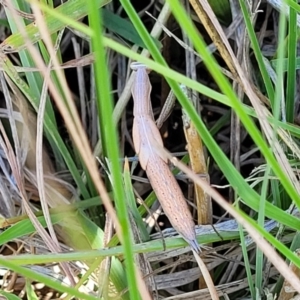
x: 145, y: 136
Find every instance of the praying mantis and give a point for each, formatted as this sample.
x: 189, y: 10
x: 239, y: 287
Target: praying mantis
x: 145, y: 136
x: 146, y: 140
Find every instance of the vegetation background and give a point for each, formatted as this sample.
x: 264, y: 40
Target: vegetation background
x: 79, y: 220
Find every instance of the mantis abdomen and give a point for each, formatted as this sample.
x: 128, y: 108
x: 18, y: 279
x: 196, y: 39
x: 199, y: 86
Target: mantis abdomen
x: 145, y: 136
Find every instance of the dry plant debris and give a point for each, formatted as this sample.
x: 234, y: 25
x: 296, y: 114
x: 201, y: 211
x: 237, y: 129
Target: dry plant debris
x: 57, y: 182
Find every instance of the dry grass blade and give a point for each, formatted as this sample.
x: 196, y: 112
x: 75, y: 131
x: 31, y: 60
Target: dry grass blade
x: 198, y: 165
x: 194, y: 143
x: 223, y: 289
x: 20, y: 183
x: 207, y: 277
x: 267, y: 249
x: 236, y: 69
x: 104, y: 266
x: 287, y: 292
x: 80, y: 84
x: 39, y: 156
x: 71, y: 116
x: 52, y: 128
x: 212, y: 26
x: 52, y: 243
x: 73, y: 123
x: 126, y: 94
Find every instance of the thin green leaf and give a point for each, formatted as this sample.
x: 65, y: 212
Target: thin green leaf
x: 4, y: 23
x: 155, y: 245
x: 110, y: 140
x: 259, y: 263
x: 123, y: 28
x: 274, y: 63
x: 9, y: 296
x: 291, y: 75
x: 25, y: 227
x: 30, y: 291
x: 130, y: 199
x: 249, y: 196
x: 257, y: 52
x: 56, y: 285
x: 56, y: 19
x: 247, y: 262
x: 222, y: 9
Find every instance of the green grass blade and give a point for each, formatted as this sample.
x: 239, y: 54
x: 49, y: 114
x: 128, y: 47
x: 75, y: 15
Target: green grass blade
x: 274, y: 63
x: 285, y: 251
x: 257, y: 53
x: 155, y: 245
x: 293, y: 4
x: 68, y: 12
x: 109, y: 136
x: 279, y: 103
x: 123, y: 28
x: 34, y: 79
x: 226, y: 88
x: 9, y: 296
x: 56, y: 285
x: 222, y: 9
x: 25, y: 227
x: 30, y: 291
x: 260, y: 221
x: 130, y: 199
x: 229, y: 171
x: 90, y: 236
x: 247, y: 262
x: 249, y: 196
x: 291, y: 75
